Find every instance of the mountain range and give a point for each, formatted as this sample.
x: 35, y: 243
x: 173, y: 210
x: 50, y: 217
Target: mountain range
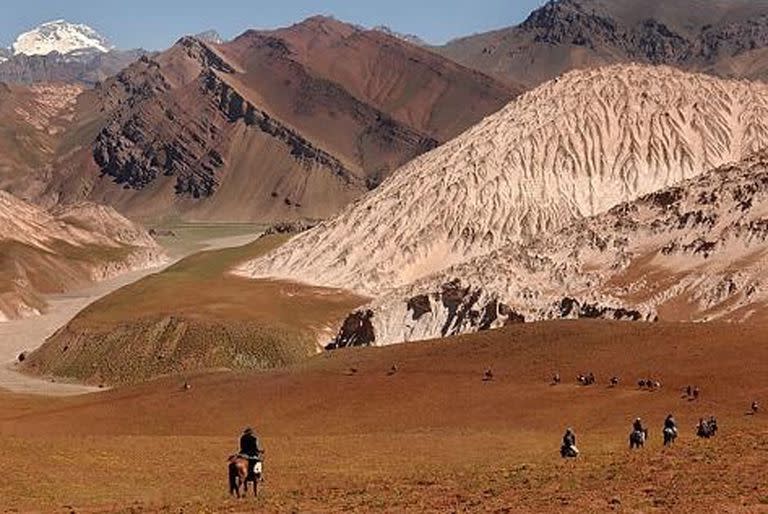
x: 486, y: 229
x: 724, y: 37
x: 59, y: 51
x: 415, y: 163
x: 276, y: 125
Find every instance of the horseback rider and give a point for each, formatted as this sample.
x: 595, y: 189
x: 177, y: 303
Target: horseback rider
x: 712, y: 424
x: 637, y: 425
x: 568, y: 449
x: 702, y: 428
x: 569, y: 438
x: 755, y: 407
x: 670, y: 423
x: 250, y: 448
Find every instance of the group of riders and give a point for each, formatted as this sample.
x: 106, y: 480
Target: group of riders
x: 252, y: 452
x: 706, y: 428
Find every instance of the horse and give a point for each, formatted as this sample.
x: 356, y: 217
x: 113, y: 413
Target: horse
x: 569, y: 452
x: 670, y: 434
x: 706, y: 429
x: 239, y: 476
x: 637, y: 438
x: 614, y: 381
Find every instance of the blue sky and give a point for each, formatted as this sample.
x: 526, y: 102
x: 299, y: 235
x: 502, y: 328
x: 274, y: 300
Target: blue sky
x: 155, y: 24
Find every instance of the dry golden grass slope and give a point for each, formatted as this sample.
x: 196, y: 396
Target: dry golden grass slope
x: 194, y: 316
x: 431, y: 438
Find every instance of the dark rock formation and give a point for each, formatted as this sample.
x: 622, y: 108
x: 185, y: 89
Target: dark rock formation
x: 572, y: 308
x: 357, y: 330
x: 419, y: 306
x: 618, y: 31
x: 289, y: 227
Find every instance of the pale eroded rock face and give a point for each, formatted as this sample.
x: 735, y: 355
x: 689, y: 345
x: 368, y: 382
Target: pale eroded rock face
x: 692, y: 252
x: 574, y: 147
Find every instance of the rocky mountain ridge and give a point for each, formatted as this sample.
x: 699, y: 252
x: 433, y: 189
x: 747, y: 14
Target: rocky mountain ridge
x: 271, y: 126
x: 574, y: 147
x: 718, y: 37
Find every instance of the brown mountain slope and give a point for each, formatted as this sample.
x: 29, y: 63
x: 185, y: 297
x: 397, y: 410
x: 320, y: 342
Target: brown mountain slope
x: 433, y: 437
x: 287, y: 124
x: 32, y: 123
x: 703, y: 35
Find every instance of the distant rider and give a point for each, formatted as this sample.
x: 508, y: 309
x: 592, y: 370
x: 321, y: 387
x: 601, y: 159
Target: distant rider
x: 637, y: 425
x: 670, y: 423
x: 250, y: 448
x: 568, y: 449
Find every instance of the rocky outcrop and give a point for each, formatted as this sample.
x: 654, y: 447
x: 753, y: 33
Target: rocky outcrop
x: 201, y: 52
x: 289, y: 227
x: 357, y: 330
x: 696, y: 251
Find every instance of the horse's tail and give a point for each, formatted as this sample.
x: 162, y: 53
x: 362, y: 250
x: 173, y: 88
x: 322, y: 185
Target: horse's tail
x: 233, y: 487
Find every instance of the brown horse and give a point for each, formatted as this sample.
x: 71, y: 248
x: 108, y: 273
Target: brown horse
x: 239, y: 476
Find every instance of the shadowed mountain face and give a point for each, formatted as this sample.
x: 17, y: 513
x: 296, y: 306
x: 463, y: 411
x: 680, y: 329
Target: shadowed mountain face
x: 285, y: 124
x: 725, y: 37
x: 87, y: 69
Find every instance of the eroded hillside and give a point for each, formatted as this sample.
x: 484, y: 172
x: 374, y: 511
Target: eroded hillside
x: 692, y: 252
x: 46, y: 252
x: 574, y: 147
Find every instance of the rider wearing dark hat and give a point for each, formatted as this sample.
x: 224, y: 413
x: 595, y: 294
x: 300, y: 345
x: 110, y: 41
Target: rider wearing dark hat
x: 670, y: 423
x: 250, y: 448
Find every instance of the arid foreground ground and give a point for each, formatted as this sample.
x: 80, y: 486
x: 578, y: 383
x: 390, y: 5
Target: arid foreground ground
x: 432, y: 437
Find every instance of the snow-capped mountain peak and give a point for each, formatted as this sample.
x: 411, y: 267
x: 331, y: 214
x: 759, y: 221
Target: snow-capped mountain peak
x: 62, y: 37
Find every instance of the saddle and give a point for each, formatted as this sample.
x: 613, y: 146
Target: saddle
x: 254, y: 465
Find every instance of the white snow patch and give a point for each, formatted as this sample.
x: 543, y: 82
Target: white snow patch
x: 62, y: 37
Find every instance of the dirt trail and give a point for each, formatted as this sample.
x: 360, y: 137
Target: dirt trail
x: 28, y: 334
